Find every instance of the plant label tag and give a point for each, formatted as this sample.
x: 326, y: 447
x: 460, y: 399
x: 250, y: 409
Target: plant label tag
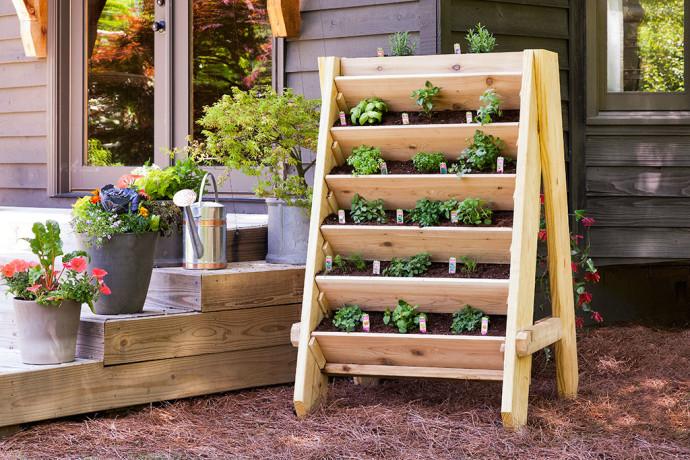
x: 376, y: 269
x: 485, y: 325
x: 343, y: 120
x: 405, y: 118
x: 384, y: 168
x: 399, y: 217
x: 365, y: 322
x: 456, y: 48
x: 468, y: 116
x: 444, y: 168
x: 454, y: 217
x: 422, y: 324
x: 500, y: 162
x: 452, y: 266
x: 329, y: 263
x: 341, y: 216
x: 379, y: 52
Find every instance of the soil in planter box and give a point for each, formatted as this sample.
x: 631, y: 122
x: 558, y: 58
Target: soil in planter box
x: 441, y: 117
x: 500, y: 219
x: 437, y: 323
x: 437, y: 270
x: 406, y: 167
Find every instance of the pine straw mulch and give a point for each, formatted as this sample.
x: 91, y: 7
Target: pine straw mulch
x: 634, y: 403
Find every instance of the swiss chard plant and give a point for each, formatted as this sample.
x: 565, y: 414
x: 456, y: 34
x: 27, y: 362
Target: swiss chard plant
x: 401, y: 44
x: 427, y: 213
x: 424, y: 97
x: 428, y: 162
x: 368, y: 112
x: 408, y: 267
x: 363, y: 210
x: 347, y: 318
x: 480, y: 156
x: 365, y: 160
x: 467, y: 319
x: 490, y: 109
x: 480, y: 40
x: 473, y: 211
x: 404, y: 317
x: 349, y: 263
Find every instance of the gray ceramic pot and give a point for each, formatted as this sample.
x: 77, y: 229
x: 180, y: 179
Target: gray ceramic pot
x: 288, y: 233
x: 47, y: 333
x: 128, y: 259
x: 169, y: 250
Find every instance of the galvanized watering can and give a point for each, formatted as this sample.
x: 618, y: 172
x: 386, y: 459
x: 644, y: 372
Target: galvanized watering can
x: 205, y: 228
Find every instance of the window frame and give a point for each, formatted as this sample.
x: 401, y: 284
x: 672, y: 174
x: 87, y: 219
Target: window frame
x: 636, y: 107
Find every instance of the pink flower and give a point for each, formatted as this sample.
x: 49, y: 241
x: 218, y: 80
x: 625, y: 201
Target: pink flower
x: 99, y: 273
x: 78, y: 264
x: 541, y: 235
x: 585, y: 297
x: 576, y: 238
x: 573, y: 267
x: 105, y: 290
x: 15, y: 266
x: 579, y: 322
x: 34, y: 288
x: 588, y: 221
x: 593, y: 277
x: 596, y: 316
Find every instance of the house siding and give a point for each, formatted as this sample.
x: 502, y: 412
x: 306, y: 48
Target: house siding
x: 23, y: 118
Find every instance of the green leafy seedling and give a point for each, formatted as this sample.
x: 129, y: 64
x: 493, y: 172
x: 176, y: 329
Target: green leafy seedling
x: 469, y: 265
x: 405, y: 317
x: 347, y: 318
x: 362, y: 210
x: 467, y: 319
x: 473, y: 211
x: 480, y: 40
x: 428, y: 162
x: 427, y: 213
x: 424, y: 97
x: 480, y: 156
x: 408, y: 267
x: 365, y: 160
x: 401, y: 44
x: 368, y: 111
x: 490, y: 109
x: 349, y: 263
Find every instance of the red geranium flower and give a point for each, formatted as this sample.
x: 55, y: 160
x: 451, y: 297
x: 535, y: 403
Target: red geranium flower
x: 105, y: 290
x: 15, y: 266
x: 541, y: 198
x: 99, y: 273
x: 596, y: 316
x: 593, y: 277
x: 588, y: 221
x: 78, y: 264
x: 541, y: 235
x: 573, y: 266
x: 585, y: 297
x: 579, y: 322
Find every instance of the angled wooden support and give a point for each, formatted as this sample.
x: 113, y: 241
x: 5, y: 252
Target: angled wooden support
x: 556, y: 211
x: 284, y: 17
x: 33, y: 26
x: 542, y: 334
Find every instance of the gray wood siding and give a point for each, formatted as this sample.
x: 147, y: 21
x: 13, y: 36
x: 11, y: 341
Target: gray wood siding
x: 23, y: 118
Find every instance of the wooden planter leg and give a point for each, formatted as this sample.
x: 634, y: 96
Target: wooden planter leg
x: 556, y: 210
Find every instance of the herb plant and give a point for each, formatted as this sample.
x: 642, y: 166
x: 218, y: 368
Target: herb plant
x: 162, y: 184
x: 490, y: 109
x: 363, y: 210
x: 473, y: 211
x: 401, y: 44
x: 365, y: 160
x: 347, y: 317
x: 481, y: 155
x: 349, y: 263
x: 468, y: 319
x: 427, y: 213
x: 469, y: 265
x: 480, y: 40
x: 424, y: 97
x: 368, y: 112
x: 428, y: 162
x: 405, y: 317
x: 408, y: 267
x: 46, y: 282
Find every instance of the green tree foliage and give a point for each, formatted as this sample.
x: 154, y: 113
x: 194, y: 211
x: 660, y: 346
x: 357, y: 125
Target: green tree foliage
x: 660, y: 44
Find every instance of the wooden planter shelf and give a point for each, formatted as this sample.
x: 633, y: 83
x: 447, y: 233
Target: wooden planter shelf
x: 401, y: 142
x: 527, y: 81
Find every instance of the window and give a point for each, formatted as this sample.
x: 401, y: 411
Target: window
x: 133, y: 76
x: 641, y: 54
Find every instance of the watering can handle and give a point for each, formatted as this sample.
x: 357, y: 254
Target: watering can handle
x: 202, y: 188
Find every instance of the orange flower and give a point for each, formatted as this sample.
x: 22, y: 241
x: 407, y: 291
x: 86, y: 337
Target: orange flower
x: 143, y: 212
x: 15, y: 266
x: 95, y: 198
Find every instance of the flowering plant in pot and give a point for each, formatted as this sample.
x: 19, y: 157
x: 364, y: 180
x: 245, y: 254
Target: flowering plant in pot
x: 264, y: 133
x: 120, y: 231
x: 48, y: 296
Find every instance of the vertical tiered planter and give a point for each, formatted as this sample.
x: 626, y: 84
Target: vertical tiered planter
x: 527, y: 82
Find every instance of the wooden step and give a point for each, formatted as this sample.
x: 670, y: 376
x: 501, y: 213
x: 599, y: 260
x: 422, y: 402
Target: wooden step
x: 241, y: 285
x: 441, y: 63
x: 400, y: 143
x: 458, y: 91
x: 372, y: 370
x: 415, y: 350
x: 404, y: 190
x: 436, y: 295
x: 484, y: 244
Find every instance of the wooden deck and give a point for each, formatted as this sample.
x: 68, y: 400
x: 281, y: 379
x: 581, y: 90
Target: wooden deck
x: 195, y: 344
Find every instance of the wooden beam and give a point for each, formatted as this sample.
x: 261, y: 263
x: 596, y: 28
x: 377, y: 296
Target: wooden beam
x: 410, y: 371
x: 542, y: 334
x: 33, y: 26
x: 284, y: 17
